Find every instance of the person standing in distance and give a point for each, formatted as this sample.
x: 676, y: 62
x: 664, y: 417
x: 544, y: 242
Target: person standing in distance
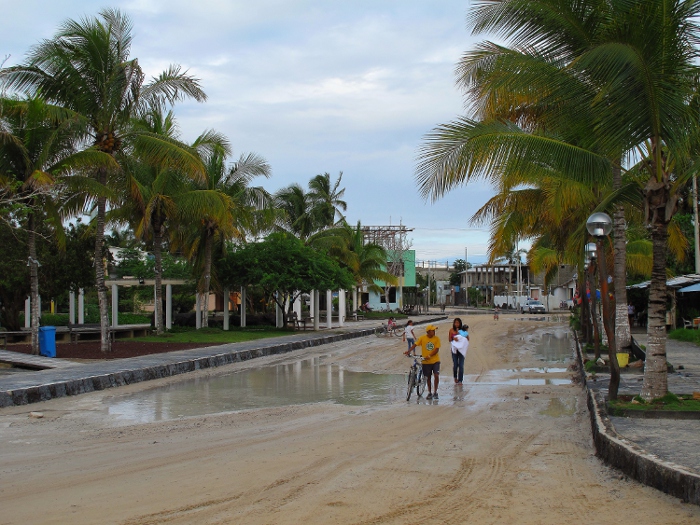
x: 430, y: 346
x: 408, y: 334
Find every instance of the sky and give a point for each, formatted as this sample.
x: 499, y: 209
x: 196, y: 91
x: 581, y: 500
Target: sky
x: 313, y: 87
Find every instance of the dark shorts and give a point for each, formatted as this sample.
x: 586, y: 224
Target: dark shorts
x: 433, y: 368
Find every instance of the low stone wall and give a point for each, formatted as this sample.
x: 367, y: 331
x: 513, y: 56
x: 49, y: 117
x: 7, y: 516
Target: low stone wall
x: 631, y: 459
x: 84, y: 381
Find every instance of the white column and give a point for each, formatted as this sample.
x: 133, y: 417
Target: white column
x: 243, y: 301
x: 314, y: 306
x: 354, y: 302
x: 27, y: 313
x: 341, y: 307
x: 115, y: 305
x: 81, y: 306
x: 71, y: 307
x: 329, y: 309
x: 198, y: 311
x: 168, y: 306
x: 227, y: 295
x: 297, y: 306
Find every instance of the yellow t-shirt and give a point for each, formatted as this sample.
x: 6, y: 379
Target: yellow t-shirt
x: 427, y: 345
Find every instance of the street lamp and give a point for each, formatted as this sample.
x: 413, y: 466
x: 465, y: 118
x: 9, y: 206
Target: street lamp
x: 599, y: 225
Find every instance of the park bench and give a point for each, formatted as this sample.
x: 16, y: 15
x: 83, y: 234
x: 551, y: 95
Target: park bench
x: 295, y: 321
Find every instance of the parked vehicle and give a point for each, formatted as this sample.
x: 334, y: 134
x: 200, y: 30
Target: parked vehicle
x: 532, y: 306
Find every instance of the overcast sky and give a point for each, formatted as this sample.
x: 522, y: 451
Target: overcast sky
x: 312, y: 86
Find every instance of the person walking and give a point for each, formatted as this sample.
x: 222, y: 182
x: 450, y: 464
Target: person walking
x: 459, y: 343
x: 408, y: 334
x: 430, y: 346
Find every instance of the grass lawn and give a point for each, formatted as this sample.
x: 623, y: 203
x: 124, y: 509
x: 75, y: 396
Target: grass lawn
x: 683, y: 334
x: 669, y: 402
x: 215, y: 335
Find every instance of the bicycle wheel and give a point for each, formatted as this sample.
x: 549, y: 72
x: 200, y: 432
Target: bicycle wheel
x: 380, y: 331
x: 411, y: 382
x: 398, y: 332
x: 420, y: 383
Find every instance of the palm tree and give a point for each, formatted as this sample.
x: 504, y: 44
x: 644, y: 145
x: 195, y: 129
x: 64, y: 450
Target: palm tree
x: 623, y: 70
x: 297, y: 209
x: 38, y: 148
x: 86, y: 68
x: 220, y: 208
x: 327, y: 199
x: 152, y: 190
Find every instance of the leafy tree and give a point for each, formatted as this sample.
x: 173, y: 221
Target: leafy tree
x: 327, y: 199
x: 86, y: 68
x: 284, y: 268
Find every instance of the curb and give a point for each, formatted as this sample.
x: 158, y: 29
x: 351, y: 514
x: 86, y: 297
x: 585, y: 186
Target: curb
x: 125, y: 375
x: 631, y: 459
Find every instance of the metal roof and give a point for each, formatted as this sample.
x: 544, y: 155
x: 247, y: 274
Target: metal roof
x: 673, y: 282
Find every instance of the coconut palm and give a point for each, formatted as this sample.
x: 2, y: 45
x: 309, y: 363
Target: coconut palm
x: 222, y: 207
x: 86, y: 68
x: 624, y: 70
x: 327, y: 199
x: 38, y: 148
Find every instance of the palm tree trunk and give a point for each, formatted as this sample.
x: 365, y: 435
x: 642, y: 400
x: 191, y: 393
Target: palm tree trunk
x: 105, y: 342
x: 206, y: 282
x: 34, y: 284
x: 158, y: 253
x: 623, y: 337
x: 655, y: 369
x: 608, y: 323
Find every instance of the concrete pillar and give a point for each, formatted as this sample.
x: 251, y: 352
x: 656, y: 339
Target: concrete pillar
x: 71, y: 307
x: 341, y: 307
x: 198, y: 311
x: 329, y: 309
x: 354, y: 302
x: 312, y: 305
x: 297, y: 306
x: 168, y: 306
x: 28, y: 313
x: 243, y: 302
x: 316, y: 314
x: 81, y: 306
x: 115, y: 305
x: 226, y: 298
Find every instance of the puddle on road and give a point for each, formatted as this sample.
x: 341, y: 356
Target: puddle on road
x: 554, y: 347
x: 314, y: 381
x: 305, y: 381
x: 560, y: 407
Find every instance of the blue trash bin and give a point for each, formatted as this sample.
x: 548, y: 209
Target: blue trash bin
x: 47, y: 341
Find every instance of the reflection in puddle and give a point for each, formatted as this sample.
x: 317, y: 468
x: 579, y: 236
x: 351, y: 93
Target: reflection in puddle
x: 307, y: 381
x: 560, y: 407
x: 554, y: 347
x: 542, y: 370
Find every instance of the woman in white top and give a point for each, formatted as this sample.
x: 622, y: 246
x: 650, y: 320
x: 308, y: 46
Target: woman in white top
x: 408, y: 334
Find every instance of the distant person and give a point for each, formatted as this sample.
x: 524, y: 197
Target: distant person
x: 459, y: 343
x: 496, y: 313
x: 390, y: 324
x: 430, y: 347
x: 630, y: 313
x: 408, y: 334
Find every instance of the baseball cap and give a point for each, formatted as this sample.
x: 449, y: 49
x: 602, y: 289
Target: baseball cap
x: 430, y: 327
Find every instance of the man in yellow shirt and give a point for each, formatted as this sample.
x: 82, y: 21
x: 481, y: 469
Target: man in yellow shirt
x: 430, y: 346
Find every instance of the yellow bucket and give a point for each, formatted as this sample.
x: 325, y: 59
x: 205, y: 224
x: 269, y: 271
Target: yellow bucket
x: 623, y: 358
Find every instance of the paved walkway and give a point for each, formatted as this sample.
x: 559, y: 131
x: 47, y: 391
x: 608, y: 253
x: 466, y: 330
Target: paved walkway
x: 673, y: 440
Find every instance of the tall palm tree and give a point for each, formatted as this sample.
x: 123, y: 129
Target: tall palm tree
x: 38, y: 148
x: 86, y: 68
x: 327, y: 199
x: 151, y: 193
x: 297, y: 209
x: 222, y: 207
x: 623, y: 69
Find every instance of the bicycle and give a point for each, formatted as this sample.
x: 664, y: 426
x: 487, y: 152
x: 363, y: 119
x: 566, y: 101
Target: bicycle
x: 383, y: 330
x: 415, y: 377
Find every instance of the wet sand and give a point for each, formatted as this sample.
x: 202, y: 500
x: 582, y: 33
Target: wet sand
x: 487, y: 452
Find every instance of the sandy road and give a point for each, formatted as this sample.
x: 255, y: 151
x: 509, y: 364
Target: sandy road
x: 484, y: 454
